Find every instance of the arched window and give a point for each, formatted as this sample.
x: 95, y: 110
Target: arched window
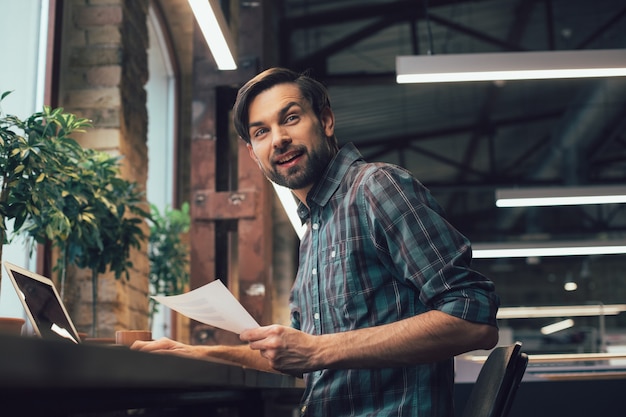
x: 161, y: 103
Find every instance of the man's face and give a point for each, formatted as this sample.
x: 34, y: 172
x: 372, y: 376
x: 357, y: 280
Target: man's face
x: 287, y: 140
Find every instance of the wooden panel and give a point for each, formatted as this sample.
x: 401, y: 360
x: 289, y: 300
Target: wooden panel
x: 225, y: 205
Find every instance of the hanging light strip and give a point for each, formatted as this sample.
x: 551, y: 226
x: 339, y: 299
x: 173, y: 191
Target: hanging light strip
x: 502, y: 66
x: 526, y: 250
x: 213, y: 25
x: 560, y: 311
x: 557, y: 327
x: 560, y: 196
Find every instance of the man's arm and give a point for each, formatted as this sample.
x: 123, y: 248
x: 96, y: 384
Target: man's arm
x: 428, y: 337
x: 240, y: 355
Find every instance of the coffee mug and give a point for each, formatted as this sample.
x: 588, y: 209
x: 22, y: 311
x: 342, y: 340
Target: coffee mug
x: 127, y: 337
x: 11, y: 325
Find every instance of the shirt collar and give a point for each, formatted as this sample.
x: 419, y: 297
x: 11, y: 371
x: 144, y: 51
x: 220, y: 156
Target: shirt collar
x: 324, y: 189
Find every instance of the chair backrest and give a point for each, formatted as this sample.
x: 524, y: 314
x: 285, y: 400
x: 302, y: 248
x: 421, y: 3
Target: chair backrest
x: 497, y: 382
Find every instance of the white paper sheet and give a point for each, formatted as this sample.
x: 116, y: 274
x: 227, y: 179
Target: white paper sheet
x: 211, y: 304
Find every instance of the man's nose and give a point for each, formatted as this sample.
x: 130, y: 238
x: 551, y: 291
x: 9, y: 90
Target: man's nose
x: 280, y: 137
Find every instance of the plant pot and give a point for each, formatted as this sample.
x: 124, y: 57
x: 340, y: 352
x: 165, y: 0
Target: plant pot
x: 11, y: 325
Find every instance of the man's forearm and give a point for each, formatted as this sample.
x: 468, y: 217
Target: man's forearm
x: 429, y: 337
x: 238, y: 354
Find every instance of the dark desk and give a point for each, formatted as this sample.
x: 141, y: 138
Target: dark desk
x: 53, y: 378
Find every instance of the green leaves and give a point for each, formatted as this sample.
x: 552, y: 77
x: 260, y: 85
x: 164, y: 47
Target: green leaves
x: 56, y: 191
x: 168, y: 253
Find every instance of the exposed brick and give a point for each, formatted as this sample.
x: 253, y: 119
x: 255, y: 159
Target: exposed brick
x: 98, y: 16
x: 105, y: 2
x: 103, y: 35
x: 103, y: 117
x: 76, y: 78
x: 93, y: 98
x: 101, y: 139
x: 104, y: 76
x: 85, y: 57
x: 75, y: 37
x: 105, y: 56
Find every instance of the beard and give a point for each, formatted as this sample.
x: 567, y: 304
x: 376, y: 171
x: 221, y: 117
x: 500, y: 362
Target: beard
x: 299, y: 177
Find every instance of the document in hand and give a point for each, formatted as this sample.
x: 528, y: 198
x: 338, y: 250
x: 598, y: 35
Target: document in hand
x: 211, y: 304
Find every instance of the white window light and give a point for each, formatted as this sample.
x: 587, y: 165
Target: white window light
x: 287, y: 200
x: 502, y: 66
x: 560, y: 196
x: 527, y: 250
x: 213, y: 25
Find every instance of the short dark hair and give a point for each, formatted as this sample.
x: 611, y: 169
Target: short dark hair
x: 312, y: 90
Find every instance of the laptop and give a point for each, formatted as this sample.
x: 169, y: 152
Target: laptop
x: 43, y: 305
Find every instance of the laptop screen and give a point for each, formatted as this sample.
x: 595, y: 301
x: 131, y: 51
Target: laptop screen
x: 43, y: 305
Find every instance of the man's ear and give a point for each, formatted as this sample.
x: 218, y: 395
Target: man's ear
x: 251, y: 153
x: 328, y: 122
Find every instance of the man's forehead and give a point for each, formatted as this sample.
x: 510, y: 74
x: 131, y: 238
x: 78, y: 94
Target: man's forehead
x: 287, y: 90
x: 276, y: 99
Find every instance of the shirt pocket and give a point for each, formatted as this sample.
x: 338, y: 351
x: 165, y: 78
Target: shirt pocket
x: 337, y: 285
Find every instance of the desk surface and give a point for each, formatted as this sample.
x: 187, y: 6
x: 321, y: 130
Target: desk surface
x: 31, y: 362
x: 48, y: 367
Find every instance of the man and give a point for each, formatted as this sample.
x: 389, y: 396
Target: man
x: 384, y: 296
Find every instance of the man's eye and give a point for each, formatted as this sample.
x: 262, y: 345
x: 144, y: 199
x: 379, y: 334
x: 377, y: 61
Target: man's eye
x: 291, y: 118
x: 259, y: 132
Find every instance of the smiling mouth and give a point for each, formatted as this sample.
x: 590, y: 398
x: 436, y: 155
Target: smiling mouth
x: 288, y: 157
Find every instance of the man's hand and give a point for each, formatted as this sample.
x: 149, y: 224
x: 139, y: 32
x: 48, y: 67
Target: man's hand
x: 287, y: 350
x: 169, y: 346
x: 237, y: 355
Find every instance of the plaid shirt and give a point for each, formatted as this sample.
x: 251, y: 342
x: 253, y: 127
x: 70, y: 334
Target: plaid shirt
x: 377, y: 250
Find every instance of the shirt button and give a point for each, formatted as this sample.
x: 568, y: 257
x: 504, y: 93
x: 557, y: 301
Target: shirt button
x: 316, y: 316
x: 314, y: 271
x: 315, y: 226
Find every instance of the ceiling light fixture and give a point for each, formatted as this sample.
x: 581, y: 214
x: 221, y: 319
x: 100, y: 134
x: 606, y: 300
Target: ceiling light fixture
x: 526, y: 250
x: 585, y: 310
x: 557, y: 327
x: 570, y: 286
x: 560, y: 196
x: 501, y: 66
x: 216, y: 32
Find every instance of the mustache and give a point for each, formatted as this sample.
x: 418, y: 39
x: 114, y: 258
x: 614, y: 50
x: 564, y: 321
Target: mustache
x: 288, y: 148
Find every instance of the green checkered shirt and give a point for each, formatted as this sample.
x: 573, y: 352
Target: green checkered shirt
x: 378, y: 250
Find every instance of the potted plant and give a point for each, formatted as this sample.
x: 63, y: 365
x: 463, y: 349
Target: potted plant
x: 103, y: 215
x: 36, y: 154
x: 168, y: 252
x: 57, y: 191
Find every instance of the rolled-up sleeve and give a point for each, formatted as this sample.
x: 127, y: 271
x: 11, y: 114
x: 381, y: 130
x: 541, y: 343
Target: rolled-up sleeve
x: 421, y: 248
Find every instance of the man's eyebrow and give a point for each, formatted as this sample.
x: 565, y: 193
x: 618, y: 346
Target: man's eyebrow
x: 281, y: 113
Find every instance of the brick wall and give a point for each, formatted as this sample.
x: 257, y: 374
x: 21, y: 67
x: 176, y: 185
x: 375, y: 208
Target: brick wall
x: 102, y: 77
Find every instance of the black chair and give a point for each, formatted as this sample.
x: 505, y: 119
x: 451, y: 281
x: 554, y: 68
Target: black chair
x: 498, y: 380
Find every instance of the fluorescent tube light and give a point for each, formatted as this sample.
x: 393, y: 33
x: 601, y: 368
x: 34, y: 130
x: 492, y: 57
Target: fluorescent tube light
x: 557, y: 327
x: 526, y: 250
x: 584, y: 310
x: 213, y: 25
x: 560, y: 196
x: 500, y: 66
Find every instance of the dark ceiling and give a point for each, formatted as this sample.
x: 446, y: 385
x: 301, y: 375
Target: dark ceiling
x: 463, y: 140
